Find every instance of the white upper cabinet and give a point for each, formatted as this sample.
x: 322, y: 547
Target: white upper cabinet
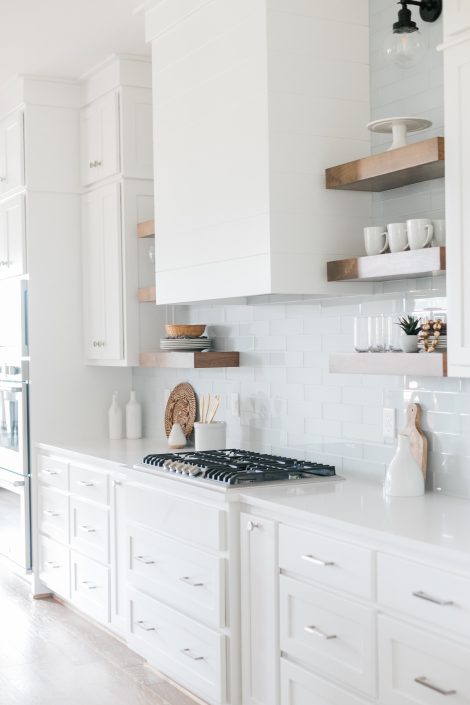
x: 456, y: 17
x: 100, y: 139
x: 12, y: 237
x: 116, y: 136
x: 102, y: 274
x: 457, y: 120
x: 252, y: 101
x: 11, y: 152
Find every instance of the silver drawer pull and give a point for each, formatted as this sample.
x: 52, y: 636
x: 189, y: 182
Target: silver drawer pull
x: 317, y: 632
x: 190, y: 581
x: 435, y: 600
x: 88, y: 529
x: 84, y: 483
x: 50, y: 472
x: 316, y: 561
x: 189, y: 654
x: 422, y: 680
x: 141, y: 624
x: 51, y: 513
x: 145, y: 560
x: 252, y: 525
x: 53, y: 564
x: 89, y: 585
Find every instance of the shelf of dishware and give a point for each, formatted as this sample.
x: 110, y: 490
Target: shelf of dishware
x: 189, y: 360
x: 146, y: 228
x: 147, y: 294
x: 419, y: 161
x: 390, y: 363
x: 424, y: 262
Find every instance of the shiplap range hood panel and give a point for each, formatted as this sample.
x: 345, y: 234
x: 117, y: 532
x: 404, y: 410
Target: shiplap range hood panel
x: 253, y: 99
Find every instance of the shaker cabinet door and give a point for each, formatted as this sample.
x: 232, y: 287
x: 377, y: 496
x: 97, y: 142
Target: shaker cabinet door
x: 259, y: 596
x: 11, y: 152
x: 457, y: 119
x: 12, y: 238
x: 102, y: 274
x: 100, y: 152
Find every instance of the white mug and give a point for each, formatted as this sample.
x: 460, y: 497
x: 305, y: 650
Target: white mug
x: 397, y: 237
x: 439, y: 232
x: 420, y: 233
x: 376, y: 240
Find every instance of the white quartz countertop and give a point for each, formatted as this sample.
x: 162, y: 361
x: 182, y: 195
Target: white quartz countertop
x: 433, y: 519
x: 123, y: 452
x: 352, y: 505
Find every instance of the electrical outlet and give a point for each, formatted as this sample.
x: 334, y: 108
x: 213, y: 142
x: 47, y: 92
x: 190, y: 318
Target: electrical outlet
x: 389, y: 423
x: 235, y: 404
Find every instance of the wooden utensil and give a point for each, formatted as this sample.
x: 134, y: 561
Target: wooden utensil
x: 418, y: 441
x: 213, y: 411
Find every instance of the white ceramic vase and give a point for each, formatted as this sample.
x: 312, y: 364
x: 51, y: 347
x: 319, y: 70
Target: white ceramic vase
x: 115, y: 419
x: 404, y: 477
x: 133, y: 418
x: 176, y: 439
x: 409, y: 343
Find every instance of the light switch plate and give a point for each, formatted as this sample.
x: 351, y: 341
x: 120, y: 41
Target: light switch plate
x: 389, y: 423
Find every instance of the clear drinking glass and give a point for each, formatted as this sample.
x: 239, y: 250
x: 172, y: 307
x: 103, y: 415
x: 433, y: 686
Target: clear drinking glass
x: 377, y: 337
x: 392, y: 333
x: 362, y: 334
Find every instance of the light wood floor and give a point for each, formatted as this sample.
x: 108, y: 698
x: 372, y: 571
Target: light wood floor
x: 51, y: 656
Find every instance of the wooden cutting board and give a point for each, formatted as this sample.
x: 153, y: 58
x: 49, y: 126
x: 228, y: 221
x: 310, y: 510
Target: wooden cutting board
x: 418, y: 441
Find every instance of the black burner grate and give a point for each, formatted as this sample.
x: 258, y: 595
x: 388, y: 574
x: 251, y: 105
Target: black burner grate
x: 237, y: 467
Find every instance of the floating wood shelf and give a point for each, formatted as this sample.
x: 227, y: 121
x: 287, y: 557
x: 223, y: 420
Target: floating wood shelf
x: 396, y: 265
x: 147, y: 294
x: 416, y: 162
x: 415, y: 364
x: 146, y: 228
x: 190, y: 360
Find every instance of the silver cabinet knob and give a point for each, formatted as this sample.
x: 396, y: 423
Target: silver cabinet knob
x: 252, y: 525
x: 3, y: 178
x: 117, y: 483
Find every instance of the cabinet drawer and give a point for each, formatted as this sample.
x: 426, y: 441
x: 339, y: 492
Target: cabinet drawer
x: 299, y: 687
x: 420, y: 669
x: 431, y: 595
x: 54, y: 566
x: 176, y: 517
x: 332, y: 635
x: 89, y: 484
x: 53, y: 471
x: 90, y: 587
x: 53, y: 516
x: 333, y: 563
x: 178, y: 646
x: 89, y: 529
x: 177, y: 574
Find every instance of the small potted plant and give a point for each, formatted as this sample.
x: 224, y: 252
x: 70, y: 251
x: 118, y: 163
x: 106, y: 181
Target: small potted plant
x: 410, y: 327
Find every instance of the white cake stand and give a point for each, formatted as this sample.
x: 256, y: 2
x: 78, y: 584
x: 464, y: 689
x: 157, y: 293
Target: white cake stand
x: 399, y: 127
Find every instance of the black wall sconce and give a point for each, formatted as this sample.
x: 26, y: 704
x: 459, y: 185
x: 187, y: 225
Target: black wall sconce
x: 406, y: 46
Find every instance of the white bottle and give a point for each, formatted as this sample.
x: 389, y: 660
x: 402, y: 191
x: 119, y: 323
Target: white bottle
x: 133, y: 418
x: 115, y: 419
x: 404, y: 477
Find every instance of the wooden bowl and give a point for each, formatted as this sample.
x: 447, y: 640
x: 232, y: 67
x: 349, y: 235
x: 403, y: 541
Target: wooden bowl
x: 176, y: 330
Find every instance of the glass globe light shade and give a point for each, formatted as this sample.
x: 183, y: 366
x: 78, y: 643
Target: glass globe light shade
x: 405, y: 49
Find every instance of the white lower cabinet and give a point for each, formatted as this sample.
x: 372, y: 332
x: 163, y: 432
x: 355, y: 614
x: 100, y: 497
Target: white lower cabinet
x: 54, y: 566
x: 89, y: 529
x: 181, y: 575
x: 329, y: 634
x: 90, y: 587
x: 417, y: 668
x: 300, y: 687
x: 259, y: 613
x: 12, y: 237
x: 181, y: 647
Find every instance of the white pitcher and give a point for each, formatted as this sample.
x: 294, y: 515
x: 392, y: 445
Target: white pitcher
x: 404, y: 477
